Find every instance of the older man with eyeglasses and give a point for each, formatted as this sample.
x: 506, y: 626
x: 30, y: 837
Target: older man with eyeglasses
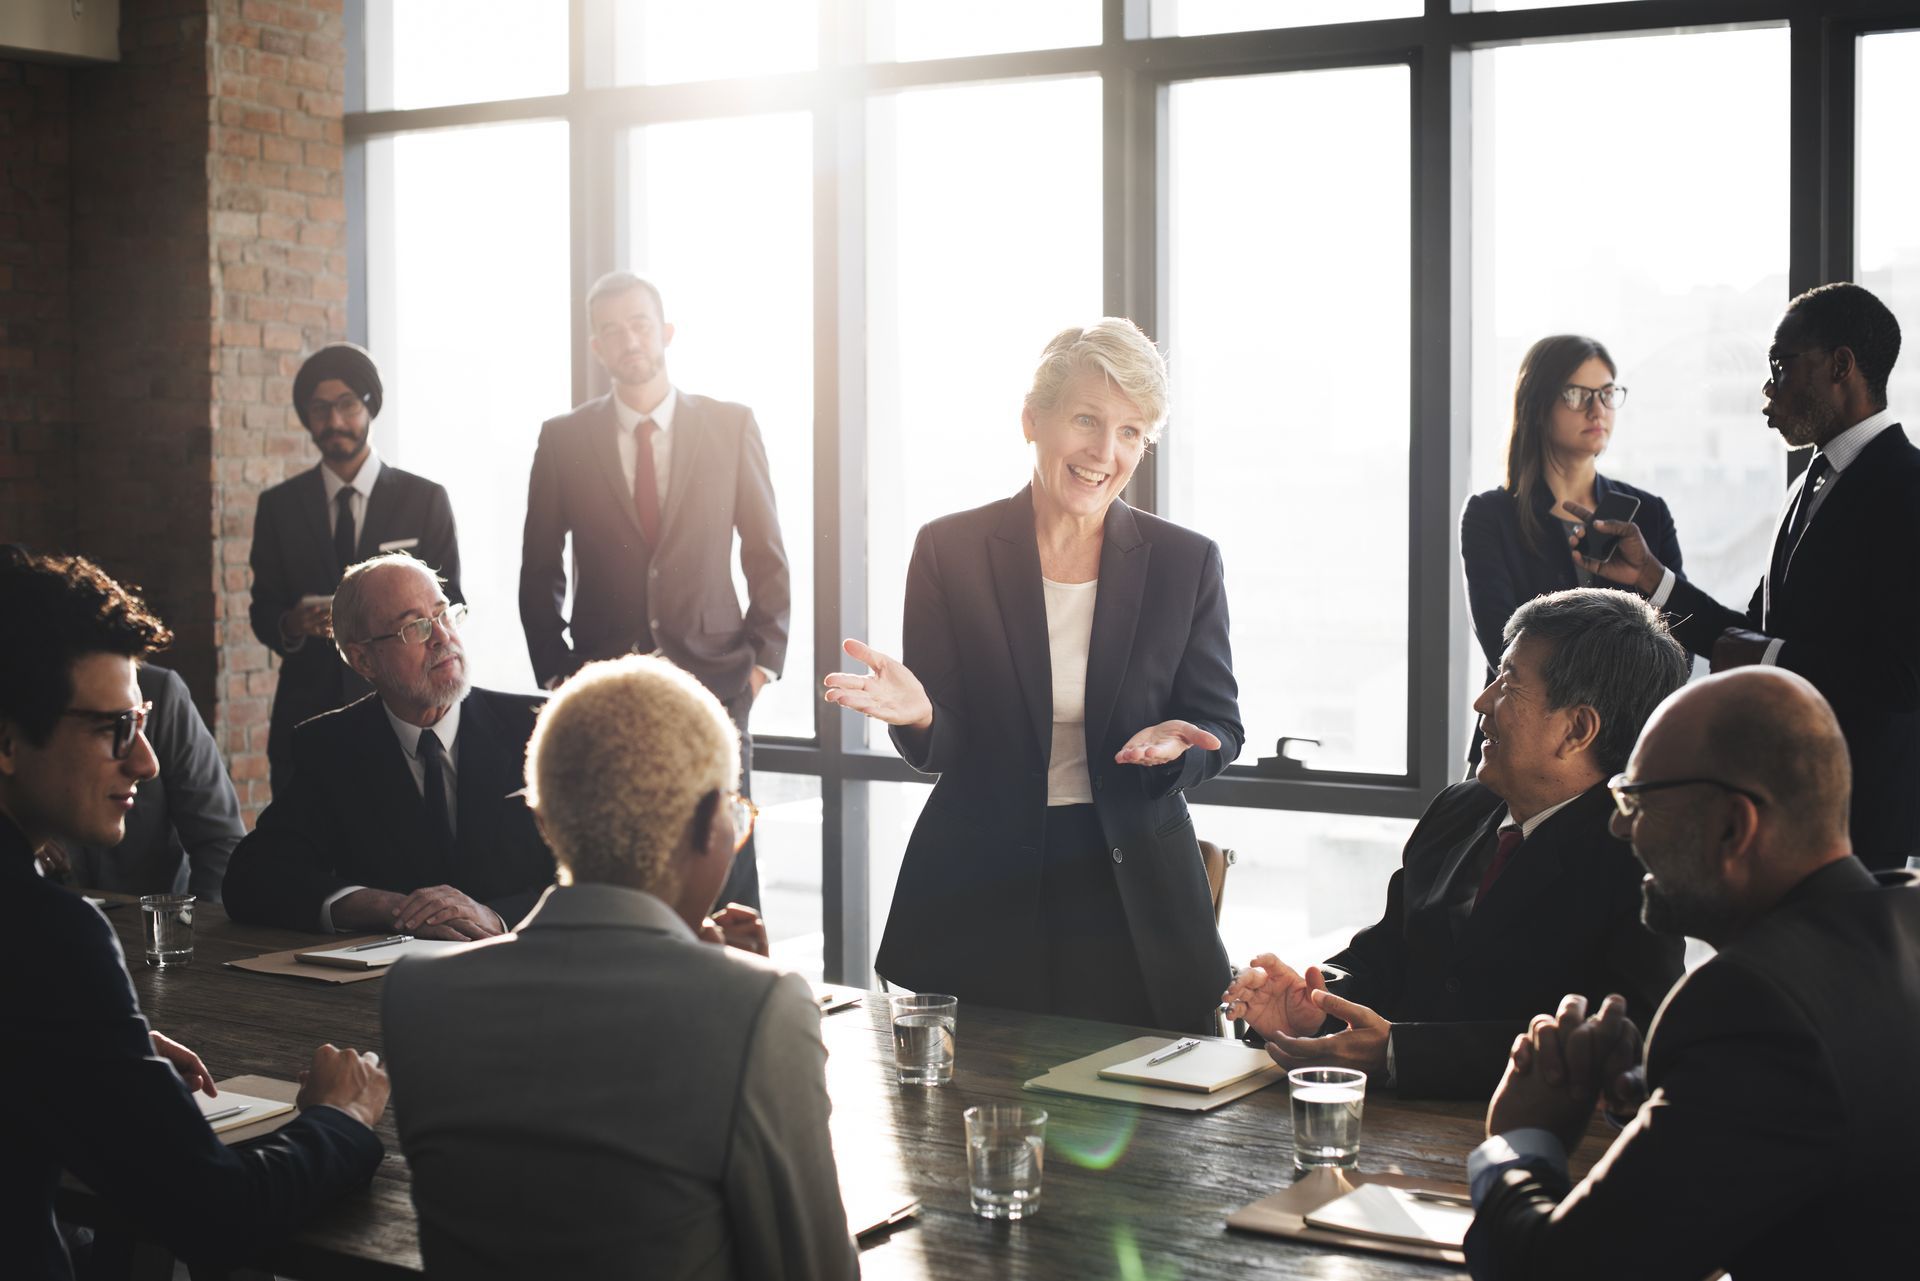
x: 403, y: 812
x: 603, y: 1095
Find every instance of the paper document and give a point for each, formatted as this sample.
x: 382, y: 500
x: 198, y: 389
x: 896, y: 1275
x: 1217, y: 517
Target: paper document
x: 378, y: 955
x: 1212, y: 1065
x: 229, y: 1111
x: 1397, y: 1214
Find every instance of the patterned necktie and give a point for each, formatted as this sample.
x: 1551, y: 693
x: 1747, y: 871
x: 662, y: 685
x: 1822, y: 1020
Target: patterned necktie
x: 1510, y: 838
x: 343, y: 531
x: 433, y: 762
x: 646, y: 488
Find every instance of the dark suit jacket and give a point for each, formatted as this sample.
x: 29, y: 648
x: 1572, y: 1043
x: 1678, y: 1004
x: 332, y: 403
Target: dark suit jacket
x: 1459, y: 985
x: 1778, y: 1140
x: 1848, y: 608
x: 966, y: 909
x: 353, y: 816
x: 185, y: 822
x: 677, y: 597
x: 1502, y: 574
x: 293, y: 557
x: 81, y: 1090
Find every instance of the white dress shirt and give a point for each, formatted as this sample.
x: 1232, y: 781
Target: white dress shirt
x: 447, y: 730
x: 361, y: 487
x: 1839, y: 452
x: 1069, y: 634
x: 629, y: 442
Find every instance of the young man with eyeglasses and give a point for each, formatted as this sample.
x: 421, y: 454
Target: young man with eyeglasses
x: 85, y: 1085
x: 654, y: 1106
x: 652, y: 484
x: 311, y: 527
x: 1769, y: 1125
x: 404, y: 811
x: 1840, y: 600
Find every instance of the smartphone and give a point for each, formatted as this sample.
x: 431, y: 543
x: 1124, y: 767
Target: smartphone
x: 1596, y: 546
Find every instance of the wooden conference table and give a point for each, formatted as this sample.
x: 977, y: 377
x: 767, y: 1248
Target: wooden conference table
x: 1137, y: 1193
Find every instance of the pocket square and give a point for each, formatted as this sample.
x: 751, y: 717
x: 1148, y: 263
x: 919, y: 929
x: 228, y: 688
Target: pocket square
x: 399, y: 544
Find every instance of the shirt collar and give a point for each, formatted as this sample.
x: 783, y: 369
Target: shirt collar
x: 362, y: 482
x: 1528, y: 828
x: 446, y: 729
x: 662, y: 414
x: 1847, y: 446
x: 596, y: 903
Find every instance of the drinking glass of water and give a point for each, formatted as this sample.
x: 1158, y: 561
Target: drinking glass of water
x: 923, y: 1038
x: 1006, y: 1151
x: 167, y: 920
x: 1326, y: 1116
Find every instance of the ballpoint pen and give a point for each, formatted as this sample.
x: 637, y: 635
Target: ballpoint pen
x: 225, y: 1113
x: 1174, y: 1051
x: 1440, y: 1198
x: 385, y: 942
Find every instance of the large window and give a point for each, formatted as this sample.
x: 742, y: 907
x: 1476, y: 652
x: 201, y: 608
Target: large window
x: 1291, y: 324
x: 1344, y: 220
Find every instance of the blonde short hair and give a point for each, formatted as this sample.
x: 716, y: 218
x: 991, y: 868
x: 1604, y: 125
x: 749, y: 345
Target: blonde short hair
x: 620, y: 758
x: 1115, y: 346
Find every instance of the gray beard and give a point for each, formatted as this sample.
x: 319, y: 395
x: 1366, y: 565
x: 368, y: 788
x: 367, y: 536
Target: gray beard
x: 1684, y: 913
x: 430, y: 693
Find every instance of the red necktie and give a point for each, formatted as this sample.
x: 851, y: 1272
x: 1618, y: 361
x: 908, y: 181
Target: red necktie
x: 646, y: 489
x: 1510, y: 838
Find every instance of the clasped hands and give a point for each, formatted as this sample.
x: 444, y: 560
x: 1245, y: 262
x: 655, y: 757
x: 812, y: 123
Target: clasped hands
x: 1565, y: 1062
x: 736, y: 925
x: 1288, y: 1010
x: 891, y: 693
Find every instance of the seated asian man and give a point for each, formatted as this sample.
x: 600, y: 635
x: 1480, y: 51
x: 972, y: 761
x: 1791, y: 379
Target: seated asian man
x: 1511, y: 890
x: 85, y: 1085
x: 404, y: 811
x: 1778, y: 1138
x: 603, y: 1094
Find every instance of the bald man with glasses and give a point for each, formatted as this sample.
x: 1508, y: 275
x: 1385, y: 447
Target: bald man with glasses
x: 404, y: 812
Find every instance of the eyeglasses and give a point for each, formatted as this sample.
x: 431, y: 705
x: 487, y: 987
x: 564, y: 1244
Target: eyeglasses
x: 1777, y: 365
x: 1576, y: 397
x: 322, y: 411
x: 1626, y: 794
x: 744, y: 813
x: 417, y: 631
x: 125, y: 725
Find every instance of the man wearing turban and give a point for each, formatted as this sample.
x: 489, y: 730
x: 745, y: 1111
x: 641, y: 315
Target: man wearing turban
x: 311, y: 527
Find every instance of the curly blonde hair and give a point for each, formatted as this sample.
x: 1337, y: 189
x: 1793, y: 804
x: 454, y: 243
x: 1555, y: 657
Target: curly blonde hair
x: 620, y: 758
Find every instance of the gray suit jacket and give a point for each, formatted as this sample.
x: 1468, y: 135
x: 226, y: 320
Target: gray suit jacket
x: 603, y: 1095
x: 677, y: 597
x: 185, y: 822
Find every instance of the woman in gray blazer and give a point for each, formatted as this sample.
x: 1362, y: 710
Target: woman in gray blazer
x: 1067, y: 675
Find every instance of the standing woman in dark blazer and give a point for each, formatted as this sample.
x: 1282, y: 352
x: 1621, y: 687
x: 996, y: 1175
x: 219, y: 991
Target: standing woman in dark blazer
x: 1515, y: 541
x: 1066, y: 673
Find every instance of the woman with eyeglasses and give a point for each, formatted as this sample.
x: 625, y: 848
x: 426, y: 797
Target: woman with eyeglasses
x: 1516, y: 541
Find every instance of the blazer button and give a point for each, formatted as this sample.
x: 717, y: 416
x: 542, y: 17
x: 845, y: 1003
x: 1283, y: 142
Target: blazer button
x: 653, y: 572
x: 653, y: 625
x: 1117, y: 855
x: 1452, y: 984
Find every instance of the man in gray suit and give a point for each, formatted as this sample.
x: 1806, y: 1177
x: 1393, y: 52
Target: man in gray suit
x: 603, y: 1094
x: 652, y: 483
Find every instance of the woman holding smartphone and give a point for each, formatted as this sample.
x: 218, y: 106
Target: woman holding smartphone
x: 1516, y: 542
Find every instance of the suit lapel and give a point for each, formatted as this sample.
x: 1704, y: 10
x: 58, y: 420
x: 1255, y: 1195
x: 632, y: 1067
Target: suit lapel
x: 606, y: 452
x: 485, y: 775
x: 311, y: 500
x: 684, y: 460
x: 1446, y: 896
x: 392, y: 795
x: 1538, y: 864
x: 1124, y: 556
x: 381, y: 513
x: 1014, y: 552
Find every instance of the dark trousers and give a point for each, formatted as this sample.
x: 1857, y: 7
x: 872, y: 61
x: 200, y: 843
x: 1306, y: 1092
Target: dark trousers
x: 743, y: 882
x: 1093, y: 971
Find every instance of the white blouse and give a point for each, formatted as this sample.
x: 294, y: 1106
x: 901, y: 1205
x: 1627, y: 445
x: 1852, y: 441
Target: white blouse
x: 1069, y: 632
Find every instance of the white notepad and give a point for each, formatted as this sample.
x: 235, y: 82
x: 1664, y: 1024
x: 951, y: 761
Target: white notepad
x: 221, y: 1115
x: 1395, y: 1214
x: 1212, y: 1065
x: 373, y: 958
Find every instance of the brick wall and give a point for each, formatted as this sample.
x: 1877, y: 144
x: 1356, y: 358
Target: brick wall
x: 36, y: 339
x: 277, y: 211
x: 206, y: 228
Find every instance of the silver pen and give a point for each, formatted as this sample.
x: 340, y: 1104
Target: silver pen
x: 385, y: 942
x: 225, y: 1113
x: 1440, y: 1198
x: 1174, y: 1051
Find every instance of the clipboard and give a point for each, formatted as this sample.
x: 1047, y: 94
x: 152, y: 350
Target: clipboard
x: 1081, y: 1078
x: 1284, y: 1214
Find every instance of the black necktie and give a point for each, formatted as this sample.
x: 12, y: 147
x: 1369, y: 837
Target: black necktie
x: 433, y: 763
x: 1819, y: 475
x: 343, y: 539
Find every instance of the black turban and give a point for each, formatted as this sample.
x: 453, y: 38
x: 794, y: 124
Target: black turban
x: 346, y: 361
